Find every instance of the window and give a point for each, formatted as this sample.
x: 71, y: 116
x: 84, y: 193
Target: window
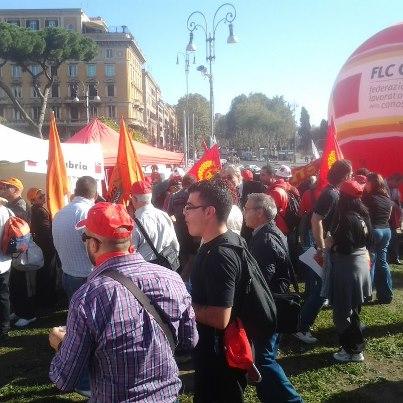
x: 109, y: 70
x: 56, y: 110
x: 73, y: 90
x: 16, y: 114
x: 70, y: 27
x: 16, y: 71
x: 36, y: 110
x: 33, y: 25
x: 73, y: 70
x: 92, y: 90
x: 93, y: 110
x: 17, y: 91
x: 36, y: 69
x: 51, y: 23
x: 73, y: 113
x: 2, y: 111
x: 111, y: 90
x: 34, y: 93
x: 55, y: 90
x: 112, y: 111
x: 53, y: 71
x: 91, y: 70
x: 109, y: 53
x: 14, y: 22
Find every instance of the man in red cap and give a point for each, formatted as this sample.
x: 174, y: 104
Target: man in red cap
x: 127, y: 349
x: 156, y: 224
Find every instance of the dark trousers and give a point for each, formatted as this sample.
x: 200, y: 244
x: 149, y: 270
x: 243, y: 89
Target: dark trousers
x: 23, y: 304
x: 393, y: 250
x: 352, y: 339
x: 215, y: 381
x: 4, y: 303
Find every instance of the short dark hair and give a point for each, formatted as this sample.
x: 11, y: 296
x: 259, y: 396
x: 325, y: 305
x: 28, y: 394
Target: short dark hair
x: 362, y: 171
x: 269, y: 169
x: 86, y: 186
x: 188, y: 180
x: 214, y: 193
x: 338, y: 172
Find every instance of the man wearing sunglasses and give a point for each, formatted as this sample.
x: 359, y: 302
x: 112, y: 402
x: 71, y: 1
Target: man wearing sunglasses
x: 128, y: 352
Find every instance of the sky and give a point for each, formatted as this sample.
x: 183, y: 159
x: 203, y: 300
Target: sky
x: 293, y: 48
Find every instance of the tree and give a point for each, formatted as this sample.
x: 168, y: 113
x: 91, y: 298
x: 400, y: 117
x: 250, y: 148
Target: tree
x: 304, y: 130
x: 199, y: 107
x: 47, y: 49
x: 319, y: 134
x: 257, y: 121
x: 113, y: 124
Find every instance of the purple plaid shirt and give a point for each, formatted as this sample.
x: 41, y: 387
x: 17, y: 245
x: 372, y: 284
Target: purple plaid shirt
x: 128, y: 353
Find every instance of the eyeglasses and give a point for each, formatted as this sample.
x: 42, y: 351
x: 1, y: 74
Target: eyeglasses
x: 250, y: 208
x: 85, y: 238
x: 189, y: 207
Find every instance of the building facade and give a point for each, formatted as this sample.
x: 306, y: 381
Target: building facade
x: 113, y: 81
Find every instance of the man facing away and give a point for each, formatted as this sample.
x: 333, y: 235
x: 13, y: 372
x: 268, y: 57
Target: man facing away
x: 268, y: 246
x: 217, y: 283
x: 157, y: 224
x: 128, y: 353
x: 74, y: 259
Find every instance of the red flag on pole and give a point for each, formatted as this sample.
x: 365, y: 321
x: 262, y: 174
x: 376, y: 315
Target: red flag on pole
x: 208, y: 165
x: 127, y: 169
x: 331, y: 154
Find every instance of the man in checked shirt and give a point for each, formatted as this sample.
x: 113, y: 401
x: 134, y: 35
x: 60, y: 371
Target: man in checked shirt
x: 129, y: 356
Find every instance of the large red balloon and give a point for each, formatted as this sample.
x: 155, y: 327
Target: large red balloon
x: 367, y: 103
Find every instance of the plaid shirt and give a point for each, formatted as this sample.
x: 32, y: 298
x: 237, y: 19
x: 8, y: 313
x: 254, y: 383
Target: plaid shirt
x: 129, y: 355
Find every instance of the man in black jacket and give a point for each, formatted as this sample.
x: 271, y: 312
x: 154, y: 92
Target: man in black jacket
x: 268, y: 246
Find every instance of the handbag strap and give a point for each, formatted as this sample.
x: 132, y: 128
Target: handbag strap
x: 146, y: 237
x: 145, y: 302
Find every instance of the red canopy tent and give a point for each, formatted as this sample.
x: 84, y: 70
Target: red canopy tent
x: 98, y: 132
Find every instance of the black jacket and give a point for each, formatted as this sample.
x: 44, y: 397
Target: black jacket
x: 269, y: 247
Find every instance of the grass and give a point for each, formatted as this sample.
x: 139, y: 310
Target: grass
x: 24, y: 361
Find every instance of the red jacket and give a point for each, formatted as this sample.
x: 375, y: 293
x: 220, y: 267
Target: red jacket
x: 278, y: 191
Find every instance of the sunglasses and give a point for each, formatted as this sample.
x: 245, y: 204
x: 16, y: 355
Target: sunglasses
x: 189, y: 207
x: 85, y: 238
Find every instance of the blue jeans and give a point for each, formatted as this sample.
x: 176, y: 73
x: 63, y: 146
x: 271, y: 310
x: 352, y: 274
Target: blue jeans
x: 70, y: 285
x: 380, y: 273
x: 313, y: 300
x: 275, y: 386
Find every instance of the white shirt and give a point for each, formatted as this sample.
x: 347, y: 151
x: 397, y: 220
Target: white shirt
x: 67, y: 239
x: 235, y: 219
x: 5, y: 261
x: 159, y: 228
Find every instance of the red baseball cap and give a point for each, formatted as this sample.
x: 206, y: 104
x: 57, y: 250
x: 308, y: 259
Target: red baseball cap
x: 109, y: 220
x: 352, y: 188
x: 141, y: 187
x: 247, y: 175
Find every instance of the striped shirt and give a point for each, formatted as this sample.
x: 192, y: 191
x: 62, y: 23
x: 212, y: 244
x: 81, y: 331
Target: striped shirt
x: 67, y: 239
x: 129, y: 355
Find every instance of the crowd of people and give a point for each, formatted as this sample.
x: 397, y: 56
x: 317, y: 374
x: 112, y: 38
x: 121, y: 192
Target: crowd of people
x: 149, y: 283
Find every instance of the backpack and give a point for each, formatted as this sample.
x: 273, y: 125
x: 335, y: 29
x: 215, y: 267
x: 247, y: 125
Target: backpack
x: 257, y: 309
x: 291, y: 216
x: 16, y: 236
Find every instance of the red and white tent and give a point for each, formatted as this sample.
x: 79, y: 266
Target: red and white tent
x: 98, y: 132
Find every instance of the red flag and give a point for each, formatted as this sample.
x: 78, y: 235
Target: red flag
x: 331, y: 154
x: 127, y: 169
x: 208, y: 165
x: 57, y: 183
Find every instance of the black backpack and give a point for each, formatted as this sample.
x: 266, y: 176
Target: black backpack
x: 291, y: 216
x: 257, y: 309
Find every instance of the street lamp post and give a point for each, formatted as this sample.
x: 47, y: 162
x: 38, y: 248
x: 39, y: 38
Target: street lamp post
x: 192, y: 26
x: 86, y: 90
x: 186, y: 58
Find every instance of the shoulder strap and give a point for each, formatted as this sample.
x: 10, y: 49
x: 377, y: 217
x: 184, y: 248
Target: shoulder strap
x: 144, y: 301
x: 146, y: 237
